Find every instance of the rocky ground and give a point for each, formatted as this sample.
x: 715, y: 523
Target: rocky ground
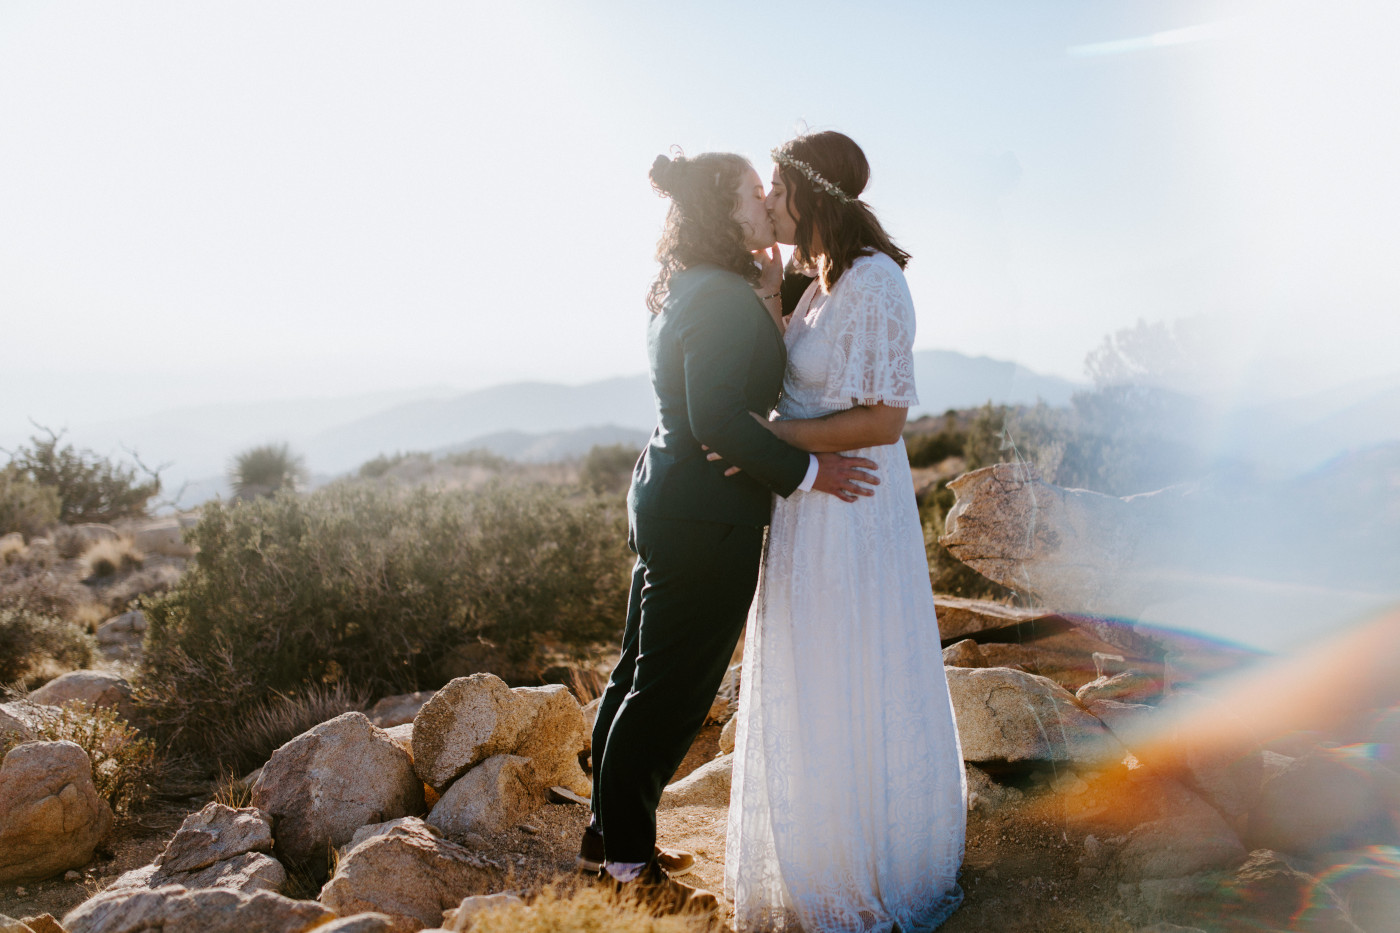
x: 1118, y: 778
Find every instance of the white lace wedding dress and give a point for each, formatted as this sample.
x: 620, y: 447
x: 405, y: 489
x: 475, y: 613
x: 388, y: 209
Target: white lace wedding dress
x: 847, y: 810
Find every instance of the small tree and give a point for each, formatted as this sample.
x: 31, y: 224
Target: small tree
x: 25, y: 506
x: 608, y: 468
x: 90, y: 487
x: 261, y: 471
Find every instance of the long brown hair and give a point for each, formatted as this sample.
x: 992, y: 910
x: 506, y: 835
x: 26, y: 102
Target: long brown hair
x: 846, y: 229
x: 700, y: 226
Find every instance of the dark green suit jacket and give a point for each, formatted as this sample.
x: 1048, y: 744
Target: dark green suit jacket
x: 715, y: 356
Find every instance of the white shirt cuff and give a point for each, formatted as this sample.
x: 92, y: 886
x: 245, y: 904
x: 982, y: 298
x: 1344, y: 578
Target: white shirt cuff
x: 811, y: 477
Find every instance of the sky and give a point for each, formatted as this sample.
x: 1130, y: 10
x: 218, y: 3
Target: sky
x: 240, y: 201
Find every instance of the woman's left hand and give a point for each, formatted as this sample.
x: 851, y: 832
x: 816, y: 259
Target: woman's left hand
x: 770, y: 275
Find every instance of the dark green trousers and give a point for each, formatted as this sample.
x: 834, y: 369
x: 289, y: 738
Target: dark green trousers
x: 691, y: 590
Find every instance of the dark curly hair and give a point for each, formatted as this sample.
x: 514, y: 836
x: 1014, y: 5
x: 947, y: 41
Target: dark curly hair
x: 700, y: 226
x: 846, y: 231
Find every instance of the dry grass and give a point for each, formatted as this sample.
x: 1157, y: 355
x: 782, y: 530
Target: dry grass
x: 584, y: 909
x: 12, y: 550
x: 253, y: 739
x: 232, y: 791
x: 112, y: 556
x: 90, y: 616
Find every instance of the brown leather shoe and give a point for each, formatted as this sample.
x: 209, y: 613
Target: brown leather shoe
x: 590, y: 856
x: 662, y: 894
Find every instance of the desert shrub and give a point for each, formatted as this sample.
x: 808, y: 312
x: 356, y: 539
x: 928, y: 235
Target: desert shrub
x: 479, y: 457
x: 41, y: 590
x: 929, y: 449
x: 269, y: 725
x: 26, y: 506
x: 112, y: 556
x: 373, y: 587
x: 377, y: 467
x: 124, y: 765
x: 607, y: 468
x: 149, y: 582
x: 31, y: 640
x: 263, y: 471
x: 89, y: 486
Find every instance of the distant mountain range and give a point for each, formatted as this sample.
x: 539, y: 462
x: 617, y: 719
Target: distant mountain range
x: 945, y: 379
x: 534, y: 421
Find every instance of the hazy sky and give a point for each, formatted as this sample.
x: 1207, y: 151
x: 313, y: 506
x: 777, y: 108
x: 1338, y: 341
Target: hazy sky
x: 209, y: 201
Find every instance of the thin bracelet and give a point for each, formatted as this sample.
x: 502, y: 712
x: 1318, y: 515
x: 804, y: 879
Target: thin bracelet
x: 774, y: 295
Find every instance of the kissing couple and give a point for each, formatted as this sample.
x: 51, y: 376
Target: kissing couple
x: 847, y: 808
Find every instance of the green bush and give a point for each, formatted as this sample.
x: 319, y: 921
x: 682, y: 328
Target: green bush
x: 262, y: 471
x: 607, y: 469
x: 382, y: 464
x: 25, y: 506
x: 374, y: 588
x: 477, y: 457
x: 29, y: 640
x: 90, y: 488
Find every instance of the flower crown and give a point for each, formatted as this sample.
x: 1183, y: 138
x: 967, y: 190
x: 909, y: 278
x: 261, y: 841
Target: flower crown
x: 815, y: 177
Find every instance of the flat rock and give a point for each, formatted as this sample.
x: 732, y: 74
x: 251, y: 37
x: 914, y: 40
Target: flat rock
x: 706, y: 786
x: 162, y: 535
x: 397, y: 710
x: 1328, y: 800
x: 963, y: 653
x: 1133, y: 724
x: 379, y: 829
x: 172, y: 909
x: 1010, y: 716
x: 410, y: 874
x: 1266, y: 892
x: 959, y: 618
x: 491, y: 797
x: 51, y: 818
x: 459, y: 919
x: 466, y: 722
x: 403, y: 737
x: 13, y: 722
x: 1077, y: 551
x: 1179, y: 846
x: 248, y: 872
x: 123, y: 630
x: 87, y: 688
x: 728, y: 735
x: 1125, y: 687
x: 44, y: 923
x: 553, y: 737
x: 328, y: 782
x: 214, y: 834
x: 1229, y: 778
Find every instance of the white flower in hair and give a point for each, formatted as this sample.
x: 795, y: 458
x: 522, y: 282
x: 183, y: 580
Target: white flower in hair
x: 783, y: 158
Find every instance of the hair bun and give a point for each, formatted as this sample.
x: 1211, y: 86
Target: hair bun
x: 663, y: 173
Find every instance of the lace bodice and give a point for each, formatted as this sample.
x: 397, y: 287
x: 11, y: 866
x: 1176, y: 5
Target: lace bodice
x: 854, y: 346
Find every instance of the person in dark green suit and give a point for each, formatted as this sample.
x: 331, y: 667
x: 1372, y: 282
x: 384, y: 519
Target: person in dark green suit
x: 716, y: 354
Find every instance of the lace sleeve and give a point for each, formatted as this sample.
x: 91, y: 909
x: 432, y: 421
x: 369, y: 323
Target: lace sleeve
x: 873, y: 356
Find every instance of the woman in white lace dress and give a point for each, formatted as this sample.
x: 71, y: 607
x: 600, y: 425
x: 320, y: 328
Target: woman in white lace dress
x: 847, y: 811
